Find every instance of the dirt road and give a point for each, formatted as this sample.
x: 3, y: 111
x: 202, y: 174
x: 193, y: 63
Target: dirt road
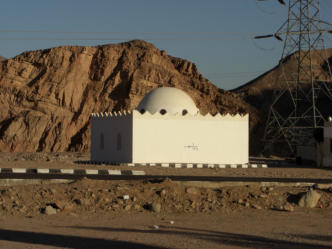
x: 245, y: 229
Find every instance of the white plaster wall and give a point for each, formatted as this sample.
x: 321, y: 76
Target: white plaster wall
x: 111, y: 127
x: 328, y: 132
x: 306, y: 152
x: 162, y: 139
x: 327, y: 160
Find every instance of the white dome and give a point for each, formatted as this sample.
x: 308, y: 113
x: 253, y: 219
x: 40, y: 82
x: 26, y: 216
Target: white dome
x: 167, y: 100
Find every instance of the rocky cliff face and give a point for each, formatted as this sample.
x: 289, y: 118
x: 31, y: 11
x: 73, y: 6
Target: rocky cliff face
x: 47, y: 95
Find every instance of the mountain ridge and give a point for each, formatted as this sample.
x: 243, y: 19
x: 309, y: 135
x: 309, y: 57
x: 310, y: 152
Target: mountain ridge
x: 47, y: 95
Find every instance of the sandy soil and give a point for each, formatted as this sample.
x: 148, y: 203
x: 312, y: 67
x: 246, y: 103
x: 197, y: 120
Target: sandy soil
x: 95, y: 214
x: 246, y: 229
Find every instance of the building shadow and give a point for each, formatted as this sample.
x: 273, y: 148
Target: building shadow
x: 89, y: 162
x: 221, y: 238
x: 68, y: 241
x: 316, y: 237
x: 287, y: 163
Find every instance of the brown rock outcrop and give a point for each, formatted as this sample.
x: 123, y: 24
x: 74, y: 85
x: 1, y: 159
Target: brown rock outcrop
x: 47, y: 95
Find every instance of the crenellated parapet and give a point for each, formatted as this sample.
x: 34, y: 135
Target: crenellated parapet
x: 110, y: 115
x: 159, y: 115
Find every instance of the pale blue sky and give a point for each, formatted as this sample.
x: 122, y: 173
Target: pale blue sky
x: 214, y: 34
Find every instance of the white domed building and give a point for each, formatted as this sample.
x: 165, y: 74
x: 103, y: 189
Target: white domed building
x: 166, y: 127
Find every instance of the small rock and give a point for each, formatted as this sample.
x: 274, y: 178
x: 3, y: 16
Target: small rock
x: 127, y: 207
x: 53, y: 191
x: 83, y: 202
x: 115, y: 206
x: 288, y: 207
x: 263, y: 189
x: 256, y: 206
x: 270, y: 188
x: 247, y: 204
x: 240, y: 201
x: 322, y: 186
x: 136, y: 206
x: 60, y: 203
x: 192, y: 191
x: 49, y: 210
x: 155, y: 227
x: 309, y: 199
x: 156, y: 207
x: 126, y: 197
x: 171, y: 222
x: 263, y: 196
x: 22, y: 209
x: 163, y: 192
x: 68, y: 207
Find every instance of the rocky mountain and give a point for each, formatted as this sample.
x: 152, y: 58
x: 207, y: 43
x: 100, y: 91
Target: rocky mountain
x: 46, y: 96
x: 258, y: 92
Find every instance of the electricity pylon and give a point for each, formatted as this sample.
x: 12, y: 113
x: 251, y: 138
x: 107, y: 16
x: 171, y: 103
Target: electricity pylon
x: 295, y: 111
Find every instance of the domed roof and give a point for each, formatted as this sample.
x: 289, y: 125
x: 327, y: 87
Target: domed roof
x: 167, y: 100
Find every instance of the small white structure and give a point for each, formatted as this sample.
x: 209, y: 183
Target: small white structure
x: 324, y: 149
x: 167, y: 127
x: 320, y: 150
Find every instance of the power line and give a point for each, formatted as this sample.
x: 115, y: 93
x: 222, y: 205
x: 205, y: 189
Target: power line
x: 263, y: 10
x: 262, y: 48
x: 117, y: 39
x: 122, y: 33
x: 131, y: 35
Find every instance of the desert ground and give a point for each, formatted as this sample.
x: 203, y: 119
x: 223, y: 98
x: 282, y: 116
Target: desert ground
x: 233, y: 229
x: 159, y: 213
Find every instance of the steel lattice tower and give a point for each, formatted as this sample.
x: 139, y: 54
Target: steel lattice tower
x: 295, y: 111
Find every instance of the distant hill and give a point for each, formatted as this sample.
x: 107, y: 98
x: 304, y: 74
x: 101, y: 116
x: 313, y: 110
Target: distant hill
x: 259, y: 91
x: 2, y: 58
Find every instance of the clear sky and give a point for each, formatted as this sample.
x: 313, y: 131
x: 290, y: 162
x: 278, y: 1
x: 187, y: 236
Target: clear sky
x: 214, y: 34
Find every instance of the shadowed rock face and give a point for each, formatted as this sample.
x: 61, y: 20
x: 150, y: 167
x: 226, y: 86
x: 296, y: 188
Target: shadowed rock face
x: 259, y: 92
x: 47, y: 95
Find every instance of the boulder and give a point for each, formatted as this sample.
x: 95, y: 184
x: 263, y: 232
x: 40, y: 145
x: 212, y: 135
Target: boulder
x: 309, y: 199
x: 156, y: 207
x: 49, y: 210
x: 192, y: 191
